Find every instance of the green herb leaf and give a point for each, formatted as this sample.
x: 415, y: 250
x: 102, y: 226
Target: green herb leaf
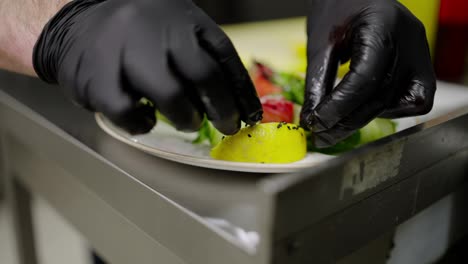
x: 346, y: 145
x: 375, y: 130
x: 208, y: 133
x: 293, y: 86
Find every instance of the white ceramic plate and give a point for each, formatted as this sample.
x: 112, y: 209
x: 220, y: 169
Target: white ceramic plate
x: 167, y: 143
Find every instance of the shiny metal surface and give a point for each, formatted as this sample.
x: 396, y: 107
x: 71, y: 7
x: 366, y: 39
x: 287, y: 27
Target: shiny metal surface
x: 137, y: 208
x: 51, y: 155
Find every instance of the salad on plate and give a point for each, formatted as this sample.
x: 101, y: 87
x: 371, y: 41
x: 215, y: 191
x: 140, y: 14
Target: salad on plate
x: 279, y: 138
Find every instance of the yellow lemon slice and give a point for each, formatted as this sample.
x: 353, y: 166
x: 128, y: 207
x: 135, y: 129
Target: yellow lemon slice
x: 263, y: 143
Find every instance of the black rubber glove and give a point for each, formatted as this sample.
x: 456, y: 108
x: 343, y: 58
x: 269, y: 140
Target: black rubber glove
x: 391, y: 73
x: 107, y: 55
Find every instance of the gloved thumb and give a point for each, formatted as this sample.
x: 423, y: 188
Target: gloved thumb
x: 321, y: 73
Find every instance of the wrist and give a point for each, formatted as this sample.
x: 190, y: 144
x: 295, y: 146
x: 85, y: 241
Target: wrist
x: 16, y: 42
x: 22, y: 22
x: 57, y: 36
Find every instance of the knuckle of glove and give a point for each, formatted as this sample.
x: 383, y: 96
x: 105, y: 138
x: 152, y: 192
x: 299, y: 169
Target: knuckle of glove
x: 169, y: 96
x: 116, y: 111
x: 202, y: 73
x: 222, y: 43
x: 314, y: 121
x: 421, y: 97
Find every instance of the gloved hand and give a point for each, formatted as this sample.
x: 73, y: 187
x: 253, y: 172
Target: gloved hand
x: 108, y: 54
x: 391, y: 73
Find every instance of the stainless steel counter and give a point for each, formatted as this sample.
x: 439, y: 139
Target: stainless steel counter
x: 136, y: 208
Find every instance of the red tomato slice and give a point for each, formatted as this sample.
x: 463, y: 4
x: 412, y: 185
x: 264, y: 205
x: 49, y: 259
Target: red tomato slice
x: 277, y: 110
x: 261, y: 75
x: 265, y: 87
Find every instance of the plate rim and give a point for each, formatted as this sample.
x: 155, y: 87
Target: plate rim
x: 105, y: 124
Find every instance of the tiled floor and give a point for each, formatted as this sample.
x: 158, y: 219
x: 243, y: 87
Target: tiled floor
x: 57, y: 242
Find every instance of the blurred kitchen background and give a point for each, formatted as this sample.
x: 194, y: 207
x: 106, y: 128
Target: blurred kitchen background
x: 229, y: 12
x: 446, y: 23
x: 447, y: 26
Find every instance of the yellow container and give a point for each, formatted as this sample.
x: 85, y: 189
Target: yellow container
x: 428, y: 12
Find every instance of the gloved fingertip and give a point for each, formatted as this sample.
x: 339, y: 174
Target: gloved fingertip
x: 143, y: 126
x: 229, y: 130
x: 313, y: 123
x: 254, y: 118
x: 228, y: 126
x: 308, y: 122
x: 192, y: 124
x: 137, y: 121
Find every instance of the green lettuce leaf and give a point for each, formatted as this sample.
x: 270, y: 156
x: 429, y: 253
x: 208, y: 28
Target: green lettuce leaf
x: 293, y: 86
x: 208, y: 133
x: 376, y: 129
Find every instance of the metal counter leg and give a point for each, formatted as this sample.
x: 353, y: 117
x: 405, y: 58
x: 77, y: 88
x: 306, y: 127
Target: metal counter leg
x: 23, y: 225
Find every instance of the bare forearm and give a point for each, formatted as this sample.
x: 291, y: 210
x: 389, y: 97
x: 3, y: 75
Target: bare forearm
x: 21, y: 22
